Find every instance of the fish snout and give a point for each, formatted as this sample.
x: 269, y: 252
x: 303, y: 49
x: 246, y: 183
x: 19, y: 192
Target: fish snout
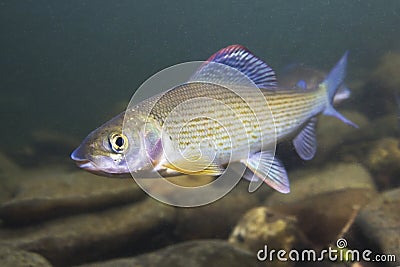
x: 80, y: 159
x: 78, y: 155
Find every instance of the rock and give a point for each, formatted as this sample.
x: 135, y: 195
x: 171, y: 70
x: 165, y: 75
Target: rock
x: 387, y: 72
x: 323, y: 217
x: 124, y: 230
x: 10, y: 176
x: 195, y: 223
x: 8, y: 167
x: 306, y: 183
x: 366, y: 138
x: 383, y: 160
x: 324, y: 201
x: 333, y: 134
x: 4, y: 194
x: 211, y: 253
x: 15, y: 257
x: 54, y: 192
x: 379, y: 222
x: 265, y: 226
x: 381, y: 127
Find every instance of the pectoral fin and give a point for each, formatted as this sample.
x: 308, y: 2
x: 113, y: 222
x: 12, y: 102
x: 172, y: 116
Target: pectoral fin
x: 190, y: 162
x: 269, y: 169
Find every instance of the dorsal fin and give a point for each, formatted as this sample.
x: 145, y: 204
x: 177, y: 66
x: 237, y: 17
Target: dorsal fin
x: 241, y: 59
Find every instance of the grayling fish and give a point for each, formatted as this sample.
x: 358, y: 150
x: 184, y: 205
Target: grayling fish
x: 157, y: 138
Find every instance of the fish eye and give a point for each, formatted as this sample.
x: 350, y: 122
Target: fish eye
x: 118, y: 142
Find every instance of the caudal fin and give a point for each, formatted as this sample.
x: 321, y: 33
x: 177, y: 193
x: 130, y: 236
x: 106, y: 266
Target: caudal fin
x: 333, y: 82
x: 342, y: 94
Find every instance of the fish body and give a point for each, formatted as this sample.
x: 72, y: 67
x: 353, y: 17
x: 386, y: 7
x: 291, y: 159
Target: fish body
x: 223, y: 129
x: 201, y: 126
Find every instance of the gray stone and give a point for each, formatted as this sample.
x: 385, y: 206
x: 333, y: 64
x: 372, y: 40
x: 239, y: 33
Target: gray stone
x: 10, y: 257
x: 10, y: 176
x: 210, y: 253
x: 5, y: 193
x: 381, y: 127
x: 380, y: 223
x: 77, y: 239
x: 324, y: 201
x: 111, y: 225
x: 262, y: 226
x: 333, y: 134
x: 8, y: 168
x: 387, y: 72
x: 54, y: 192
x: 305, y: 183
x: 195, y: 223
x: 383, y: 161
x: 368, y: 138
x: 322, y: 218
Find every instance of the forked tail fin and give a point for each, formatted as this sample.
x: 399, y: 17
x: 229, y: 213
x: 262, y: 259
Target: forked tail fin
x: 332, y: 83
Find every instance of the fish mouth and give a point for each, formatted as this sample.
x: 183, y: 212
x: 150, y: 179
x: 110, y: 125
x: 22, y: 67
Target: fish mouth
x: 81, y: 161
x: 89, y: 166
x: 85, y: 164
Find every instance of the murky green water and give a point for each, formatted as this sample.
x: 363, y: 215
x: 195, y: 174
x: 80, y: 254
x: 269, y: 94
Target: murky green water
x: 68, y: 66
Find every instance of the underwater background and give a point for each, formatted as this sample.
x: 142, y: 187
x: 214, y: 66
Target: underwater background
x: 69, y: 66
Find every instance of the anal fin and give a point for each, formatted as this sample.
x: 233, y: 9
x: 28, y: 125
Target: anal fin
x: 269, y: 169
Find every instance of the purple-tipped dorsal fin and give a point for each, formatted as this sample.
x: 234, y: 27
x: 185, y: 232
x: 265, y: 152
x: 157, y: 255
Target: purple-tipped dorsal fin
x: 241, y: 59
